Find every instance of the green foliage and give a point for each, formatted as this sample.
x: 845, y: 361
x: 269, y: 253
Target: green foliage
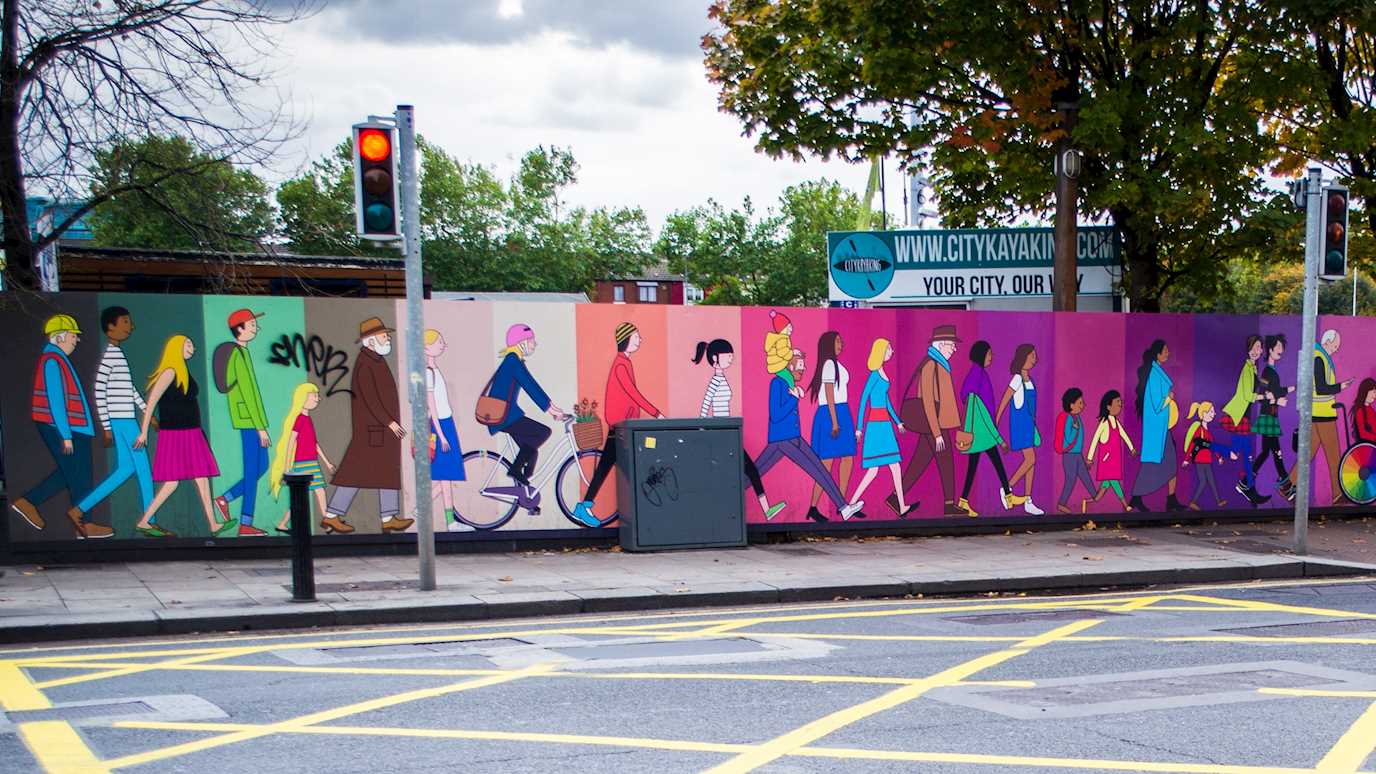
x: 778, y: 258
x: 1167, y: 113
x: 479, y: 234
x: 179, y: 198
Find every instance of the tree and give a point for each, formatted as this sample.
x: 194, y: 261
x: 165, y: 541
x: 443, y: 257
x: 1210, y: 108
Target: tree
x: 478, y: 234
x: 1322, y: 102
x: 231, y: 207
x: 74, y: 74
x: 981, y: 91
x: 773, y: 259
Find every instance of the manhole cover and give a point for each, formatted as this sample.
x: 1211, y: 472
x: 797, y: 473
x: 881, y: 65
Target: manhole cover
x: 668, y: 650
x: 79, y: 712
x: 1308, y: 629
x: 270, y: 572
x: 995, y: 619
x: 422, y: 650
x: 1250, y: 546
x: 344, y: 588
x: 1109, y: 541
x: 1091, y: 695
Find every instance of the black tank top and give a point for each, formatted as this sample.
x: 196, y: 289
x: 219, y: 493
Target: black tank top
x: 178, y: 409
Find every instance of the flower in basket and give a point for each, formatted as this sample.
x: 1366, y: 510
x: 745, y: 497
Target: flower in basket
x: 587, y: 427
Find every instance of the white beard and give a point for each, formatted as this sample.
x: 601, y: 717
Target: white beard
x: 383, y: 350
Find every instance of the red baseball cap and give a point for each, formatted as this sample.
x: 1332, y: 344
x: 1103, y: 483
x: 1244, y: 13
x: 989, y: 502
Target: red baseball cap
x: 241, y: 316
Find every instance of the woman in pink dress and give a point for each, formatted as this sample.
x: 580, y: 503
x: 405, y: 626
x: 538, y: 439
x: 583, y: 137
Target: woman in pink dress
x: 1106, y: 450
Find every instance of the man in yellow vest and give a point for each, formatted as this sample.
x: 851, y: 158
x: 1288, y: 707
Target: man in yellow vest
x: 1324, y: 434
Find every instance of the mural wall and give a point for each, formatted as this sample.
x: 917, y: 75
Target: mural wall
x: 165, y: 417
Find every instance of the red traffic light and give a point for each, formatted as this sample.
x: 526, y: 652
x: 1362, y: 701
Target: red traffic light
x: 374, y: 144
x: 1336, y: 202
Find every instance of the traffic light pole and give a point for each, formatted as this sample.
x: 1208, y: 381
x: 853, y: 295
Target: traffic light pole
x: 1304, y: 378
x: 415, y: 345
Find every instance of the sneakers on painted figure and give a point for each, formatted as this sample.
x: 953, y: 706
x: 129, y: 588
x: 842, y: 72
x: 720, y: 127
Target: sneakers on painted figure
x: 774, y: 511
x: 1032, y: 509
x: 582, y: 513
x: 850, y: 509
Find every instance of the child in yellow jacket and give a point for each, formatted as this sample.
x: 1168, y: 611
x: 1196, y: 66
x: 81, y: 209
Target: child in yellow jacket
x: 778, y: 346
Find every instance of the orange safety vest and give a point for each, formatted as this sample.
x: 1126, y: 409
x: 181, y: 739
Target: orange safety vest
x: 42, y: 412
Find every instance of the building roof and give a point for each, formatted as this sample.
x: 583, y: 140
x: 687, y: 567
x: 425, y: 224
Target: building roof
x: 60, y: 210
x: 557, y: 298
x: 655, y: 272
x: 268, y: 256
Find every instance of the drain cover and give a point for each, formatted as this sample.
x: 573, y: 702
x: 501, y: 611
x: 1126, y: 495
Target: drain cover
x: 80, y: 712
x: 996, y: 619
x: 171, y: 708
x: 1308, y: 629
x: 1250, y: 546
x: 660, y: 649
x: 1128, y: 692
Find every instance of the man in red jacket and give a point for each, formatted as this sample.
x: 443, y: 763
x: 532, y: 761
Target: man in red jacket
x: 623, y: 401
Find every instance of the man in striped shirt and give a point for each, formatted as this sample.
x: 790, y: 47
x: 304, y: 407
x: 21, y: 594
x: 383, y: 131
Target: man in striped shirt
x: 119, y: 404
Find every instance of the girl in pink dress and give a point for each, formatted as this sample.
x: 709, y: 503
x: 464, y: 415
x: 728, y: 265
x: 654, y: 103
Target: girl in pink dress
x: 1106, y: 450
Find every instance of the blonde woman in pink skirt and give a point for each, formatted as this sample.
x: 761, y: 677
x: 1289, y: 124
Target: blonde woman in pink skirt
x: 182, y: 452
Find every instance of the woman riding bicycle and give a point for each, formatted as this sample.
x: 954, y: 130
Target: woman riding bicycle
x: 512, y: 376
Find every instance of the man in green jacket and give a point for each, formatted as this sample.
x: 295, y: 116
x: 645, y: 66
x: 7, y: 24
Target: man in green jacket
x: 247, y: 415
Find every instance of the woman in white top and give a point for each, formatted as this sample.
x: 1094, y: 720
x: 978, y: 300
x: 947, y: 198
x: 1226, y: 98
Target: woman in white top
x: 446, y: 458
x: 716, y: 402
x: 1022, y: 420
x: 833, y: 427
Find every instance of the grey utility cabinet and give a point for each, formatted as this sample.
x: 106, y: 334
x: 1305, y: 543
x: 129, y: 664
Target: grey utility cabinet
x: 680, y: 483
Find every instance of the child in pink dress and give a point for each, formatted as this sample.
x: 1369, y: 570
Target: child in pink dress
x: 1106, y: 450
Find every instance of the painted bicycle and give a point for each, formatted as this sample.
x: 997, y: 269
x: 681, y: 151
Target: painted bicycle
x: 490, y: 497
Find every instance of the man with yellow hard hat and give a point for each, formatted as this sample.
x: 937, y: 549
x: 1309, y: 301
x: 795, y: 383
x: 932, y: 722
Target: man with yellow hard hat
x: 62, y: 416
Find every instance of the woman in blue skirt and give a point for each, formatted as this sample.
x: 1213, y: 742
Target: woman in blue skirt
x: 446, y: 458
x: 1022, y: 421
x: 877, y: 417
x: 833, y: 428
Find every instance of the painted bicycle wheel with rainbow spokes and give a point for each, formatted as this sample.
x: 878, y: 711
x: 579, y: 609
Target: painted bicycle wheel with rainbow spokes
x: 1357, y: 473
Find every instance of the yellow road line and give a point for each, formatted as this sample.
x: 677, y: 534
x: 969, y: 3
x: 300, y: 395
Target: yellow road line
x: 434, y: 672
x: 1276, y: 607
x: 324, y: 716
x: 1354, y: 747
x: 17, y: 692
x: 1084, y: 639
x: 1313, y: 692
x: 730, y: 748
x: 59, y: 749
x: 124, y: 671
x: 801, y: 737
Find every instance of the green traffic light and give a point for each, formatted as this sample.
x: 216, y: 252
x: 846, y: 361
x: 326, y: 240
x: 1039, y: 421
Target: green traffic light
x: 378, y: 217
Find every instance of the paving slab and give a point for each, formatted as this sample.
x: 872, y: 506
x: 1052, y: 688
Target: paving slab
x: 115, y: 599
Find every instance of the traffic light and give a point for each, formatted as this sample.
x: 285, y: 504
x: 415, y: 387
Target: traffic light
x: 1334, y: 256
x: 376, y: 202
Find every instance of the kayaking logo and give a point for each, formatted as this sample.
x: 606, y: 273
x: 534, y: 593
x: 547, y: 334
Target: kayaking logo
x: 861, y: 265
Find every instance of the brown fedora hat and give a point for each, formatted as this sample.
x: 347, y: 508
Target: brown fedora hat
x: 945, y: 333
x: 371, y: 327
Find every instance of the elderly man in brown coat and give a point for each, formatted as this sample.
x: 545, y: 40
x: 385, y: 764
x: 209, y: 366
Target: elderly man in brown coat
x: 373, y: 459
x: 935, y: 416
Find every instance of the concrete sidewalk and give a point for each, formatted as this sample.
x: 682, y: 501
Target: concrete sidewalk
x: 40, y: 603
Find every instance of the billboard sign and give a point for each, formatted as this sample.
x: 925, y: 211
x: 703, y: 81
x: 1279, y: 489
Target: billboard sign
x: 936, y: 265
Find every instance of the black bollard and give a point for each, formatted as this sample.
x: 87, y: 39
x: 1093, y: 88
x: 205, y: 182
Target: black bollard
x: 302, y: 563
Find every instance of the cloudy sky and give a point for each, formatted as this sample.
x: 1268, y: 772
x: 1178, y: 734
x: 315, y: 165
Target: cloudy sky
x: 621, y: 82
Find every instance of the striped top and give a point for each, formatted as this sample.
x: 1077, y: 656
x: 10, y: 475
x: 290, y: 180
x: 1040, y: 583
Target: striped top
x: 717, y: 401
x: 116, y: 396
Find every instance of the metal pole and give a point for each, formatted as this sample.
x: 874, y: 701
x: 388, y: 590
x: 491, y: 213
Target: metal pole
x: 1354, y: 290
x: 302, y: 561
x: 1304, y: 376
x: 1065, y: 273
x: 415, y: 346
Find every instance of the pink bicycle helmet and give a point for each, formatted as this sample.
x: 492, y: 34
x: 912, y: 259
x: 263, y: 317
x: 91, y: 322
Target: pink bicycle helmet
x: 518, y: 333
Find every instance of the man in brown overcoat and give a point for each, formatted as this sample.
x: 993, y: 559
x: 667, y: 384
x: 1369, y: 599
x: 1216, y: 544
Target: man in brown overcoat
x: 939, y: 420
x: 373, y: 459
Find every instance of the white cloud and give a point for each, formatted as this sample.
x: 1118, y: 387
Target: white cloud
x: 643, y: 124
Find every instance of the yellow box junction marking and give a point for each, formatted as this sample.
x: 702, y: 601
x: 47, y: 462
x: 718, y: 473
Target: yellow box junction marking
x: 1354, y: 747
x: 59, y: 748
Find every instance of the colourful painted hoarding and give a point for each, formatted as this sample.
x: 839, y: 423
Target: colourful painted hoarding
x: 974, y: 414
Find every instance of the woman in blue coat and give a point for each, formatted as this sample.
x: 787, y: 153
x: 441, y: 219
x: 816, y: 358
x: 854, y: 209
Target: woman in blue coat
x: 1155, y: 404
x: 879, y: 420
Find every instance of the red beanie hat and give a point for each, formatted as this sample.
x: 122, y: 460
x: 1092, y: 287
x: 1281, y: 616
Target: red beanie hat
x: 780, y: 321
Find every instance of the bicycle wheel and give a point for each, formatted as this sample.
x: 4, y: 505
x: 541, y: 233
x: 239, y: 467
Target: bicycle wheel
x: 1357, y: 473
x: 572, y: 481
x: 485, y: 470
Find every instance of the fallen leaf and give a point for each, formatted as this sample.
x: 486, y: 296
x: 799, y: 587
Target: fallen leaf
x: 1091, y: 526
x: 1093, y: 558
x: 505, y: 579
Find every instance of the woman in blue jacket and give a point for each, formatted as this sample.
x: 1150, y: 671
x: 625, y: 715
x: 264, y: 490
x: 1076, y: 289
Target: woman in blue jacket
x: 511, y: 378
